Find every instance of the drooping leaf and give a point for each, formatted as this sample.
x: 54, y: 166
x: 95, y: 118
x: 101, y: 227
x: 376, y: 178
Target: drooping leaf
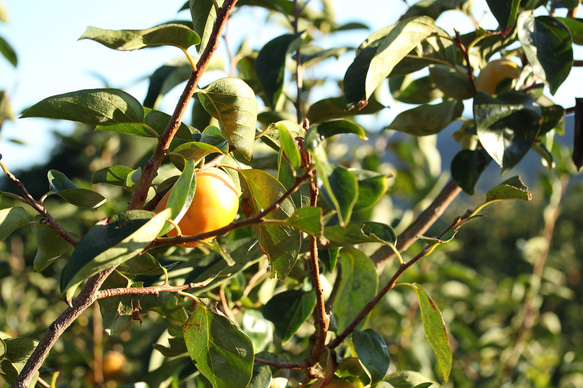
x: 512, y: 188
x: 11, y: 219
x: 176, y: 35
x: 289, y: 310
x: 371, y: 188
x: 50, y: 246
x: 318, y: 133
x: 132, y: 179
x: 232, y: 102
x: 360, y: 232
x: 114, y: 175
x: 182, y: 193
x: 505, y: 12
x: 507, y: 126
x: 427, y: 119
x: 112, y: 241
x: 435, y: 330
x: 288, y: 144
x: 281, y: 243
x: 116, y: 310
x: 144, y: 264
x: 193, y: 150
x: 358, y: 285
x: 90, y: 106
x: 203, y: 15
x: 270, y: 65
x: 307, y: 219
x: 222, y: 353
x: 340, y: 188
x: 372, y: 351
x: 547, y: 44
x: 64, y: 188
x: 467, y: 166
x: 376, y: 61
x: 8, y: 52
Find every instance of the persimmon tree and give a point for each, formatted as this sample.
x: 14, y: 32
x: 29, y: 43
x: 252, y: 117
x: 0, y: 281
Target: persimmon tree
x: 284, y: 292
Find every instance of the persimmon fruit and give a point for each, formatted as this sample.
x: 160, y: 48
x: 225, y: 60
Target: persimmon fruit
x: 215, y: 205
x: 495, y: 72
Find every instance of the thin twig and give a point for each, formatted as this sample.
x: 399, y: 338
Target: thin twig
x: 152, y: 290
x: 466, y: 54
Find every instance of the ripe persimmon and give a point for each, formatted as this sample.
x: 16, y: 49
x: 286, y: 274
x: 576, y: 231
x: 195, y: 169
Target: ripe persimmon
x: 215, y: 204
x: 495, y: 72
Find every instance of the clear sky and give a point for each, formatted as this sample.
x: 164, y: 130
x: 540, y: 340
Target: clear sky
x: 53, y: 61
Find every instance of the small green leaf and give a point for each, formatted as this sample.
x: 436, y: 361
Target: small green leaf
x: 435, y: 330
x: 318, y: 133
x: 112, y: 241
x: 512, y: 188
x: 340, y: 189
x: 372, y: 351
x: 132, y: 179
x: 288, y: 144
x: 289, y: 310
x: 114, y: 175
x: 410, y: 379
x: 451, y: 82
x: 90, y: 106
x: 547, y: 44
x: 19, y: 349
x: 222, y: 353
x: 358, y: 285
x: 307, y: 219
x: 418, y: 91
x: 50, y: 246
x: 64, y: 188
x: 176, y: 35
x: 203, y: 14
x: 232, y: 102
x: 144, y: 264
x: 575, y: 26
x: 427, y: 119
x: 8, y: 52
x: 360, y: 232
x: 11, y: 219
x: 270, y: 65
x: 193, y: 150
x: 467, y: 166
x: 371, y: 188
x: 505, y: 12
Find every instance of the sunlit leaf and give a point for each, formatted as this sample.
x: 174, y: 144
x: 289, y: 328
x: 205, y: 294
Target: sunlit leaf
x: 114, y: 175
x: 318, y: 133
x: 371, y: 188
x: 334, y: 108
x: 203, y: 14
x: 360, y: 232
x: 410, y: 379
x: 289, y: 310
x: 222, y: 352
x: 64, y: 188
x: 11, y: 219
x: 512, y: 188
x: 307, y: 219
x: 289, y: 144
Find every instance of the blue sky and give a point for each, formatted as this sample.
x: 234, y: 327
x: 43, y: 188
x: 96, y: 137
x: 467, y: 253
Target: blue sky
x: 52, y: 60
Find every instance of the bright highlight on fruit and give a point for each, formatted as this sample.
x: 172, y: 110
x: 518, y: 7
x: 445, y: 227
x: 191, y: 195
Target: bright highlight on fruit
x: 495, y: 72
x: 215, y: 204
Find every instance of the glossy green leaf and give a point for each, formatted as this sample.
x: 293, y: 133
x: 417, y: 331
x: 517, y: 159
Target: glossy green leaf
x: 182, y: 193
x: 360, y: 232
x: 112, y: 241
x: 132, y: 179
x: 262, y: 377
x: 203, y: 15
x: 467, y: 166
x: 507, y: 126
x: 193, y: 150
x: 116, y: 310
x: 307, y: 219
x: 222, y: 353
x: 410, y: 379
x: 372, y: 352
x: 451, y: 82
x: 334, y: 108
x: 358, y: 284
x: 288, y: 143
x: 289, y: 310
x: 318, y: 133
x: 547, y: 44
x: 280, y: 243
x: 232, y: 102
x: 372, y: 186
x: 90, y: 106
x: 50, y: 245
x: 114, y: 175
x: 575, y: 26
x: 8, y: 52
x: 505, y: 12
x: 11, y: 219
x: 176, y: 35
x: 427, y: 119
x: 553, y: 119
x: 340, y: 189
x: 376, y: 61
x: 435, y: 330
x: 512, y: 188
x: 270, y: 65
x: 64, y: 188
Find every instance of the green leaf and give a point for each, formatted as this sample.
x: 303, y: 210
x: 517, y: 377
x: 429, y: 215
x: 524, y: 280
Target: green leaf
x: 467, y: 166
x: 280, y: 243
x: 318, y: 133
x: 270, y: 65
x: 193, y: 150
x: 418, y: 91
x: 203, y: 15
x: 435, y: 330
x: 575, y: 26
x: 232, y: 102
x: 182, y: 194
x: 114, y: 175
x: 334, y: 108
x: 372, y: 186
x: 507, y: 126
x: 340, y: 189
x: 116, y: 310
x: 358, y: 285
x: 144, y: 264
x: 262, y: 377
x: 505, y: 12
x: 359, y: 233
x: 90, y: 106
x: 512, y: 188
x: 50, y: 246
x: 410, y: 379
x: 307, y: 219
x: 289, y: 144
x: 16, y: 353
x: 372, y: 351
x: 176, y: 35
x: 451, y: 82
x: 64, y: 188
x: 112, y: 241
x: 289, y: 310
x: 8, y: 52
x: 547, y: 44
x: 132, y: 179
x: 11, y: 219
x: 376, y: 61
x: 427, y: 119
x: 222, y: 353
